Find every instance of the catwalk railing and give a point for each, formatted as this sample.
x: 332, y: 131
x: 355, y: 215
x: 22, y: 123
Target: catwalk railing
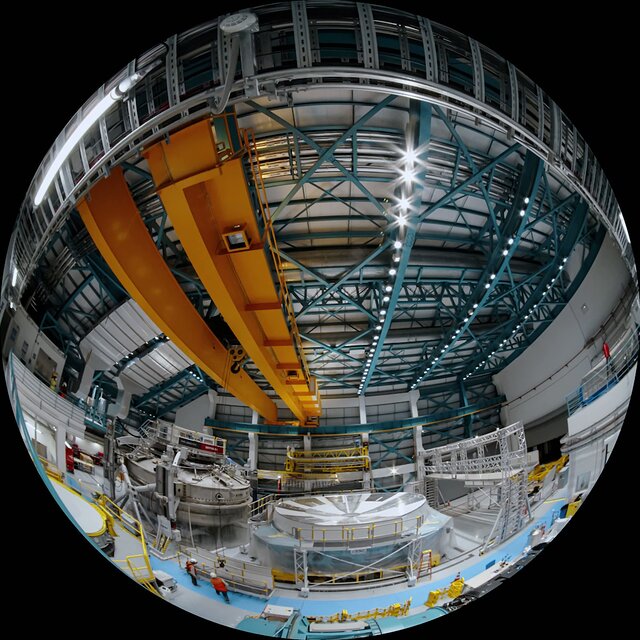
x: 606, y: 375
x: 507, y: 459
x: 137, y: 565
x: 308, y: 45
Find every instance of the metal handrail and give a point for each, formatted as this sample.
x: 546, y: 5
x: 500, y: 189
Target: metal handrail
x: 359, y: 532
x: 606, y: 375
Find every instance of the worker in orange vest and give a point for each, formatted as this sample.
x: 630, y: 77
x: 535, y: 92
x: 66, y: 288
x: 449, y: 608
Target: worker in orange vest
x: 219, y: 585
x: 191, y: 570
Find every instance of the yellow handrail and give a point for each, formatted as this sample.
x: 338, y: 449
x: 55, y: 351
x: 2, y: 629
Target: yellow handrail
x: 395, y: 610
x: 51, y: 469
x: 134, y: 526
x: 270, y: 236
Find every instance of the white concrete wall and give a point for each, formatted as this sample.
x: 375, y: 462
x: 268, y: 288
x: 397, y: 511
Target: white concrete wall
x: 597, y: 427
x: 530, y: 383
x: 89, y: 446
x: 192, y: 415
x: 603, y: 406
x: 41, y: 433
x: 27, y: 332
x: 37, y: 400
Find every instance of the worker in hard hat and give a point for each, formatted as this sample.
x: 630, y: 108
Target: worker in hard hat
x: 219, y: 585
x: 191, y: 570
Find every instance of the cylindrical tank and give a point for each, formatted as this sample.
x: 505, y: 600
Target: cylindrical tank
x: 341, y: 532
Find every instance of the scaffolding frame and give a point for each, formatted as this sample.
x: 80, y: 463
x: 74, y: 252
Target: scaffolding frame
x: 498, y: 459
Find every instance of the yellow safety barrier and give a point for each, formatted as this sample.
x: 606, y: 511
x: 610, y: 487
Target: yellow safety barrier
x: 138, y: 564
x: 540, y: 471
x: 572, y: 507
x: 455, y: 588
x: 396, y: 610
x: 51, y: 470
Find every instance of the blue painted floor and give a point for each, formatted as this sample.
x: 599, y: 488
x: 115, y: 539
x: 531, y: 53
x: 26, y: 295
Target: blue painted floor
x: 337, y: 602
x: 205, y: 589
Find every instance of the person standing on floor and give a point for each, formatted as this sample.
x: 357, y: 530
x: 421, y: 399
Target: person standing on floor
x: 191, y: 570
x: 219, y: 585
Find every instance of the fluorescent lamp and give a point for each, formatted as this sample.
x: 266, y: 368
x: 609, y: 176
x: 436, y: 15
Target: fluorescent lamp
x: 410, y: 156
x: 103, y: 105
x: 14, y: 276
x: 624, y: 227
x: 408, y: 175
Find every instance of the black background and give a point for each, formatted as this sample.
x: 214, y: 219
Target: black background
x: 56, y: 57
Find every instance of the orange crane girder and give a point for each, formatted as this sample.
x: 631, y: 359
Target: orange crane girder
x: 205, y: 203
x: 114, y: 222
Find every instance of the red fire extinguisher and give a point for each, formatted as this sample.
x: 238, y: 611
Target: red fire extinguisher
x: 605, y: 350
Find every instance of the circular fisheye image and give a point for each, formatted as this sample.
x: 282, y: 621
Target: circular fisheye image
x: 319, y: 320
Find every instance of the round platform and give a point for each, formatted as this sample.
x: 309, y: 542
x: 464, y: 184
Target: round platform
x: 84, y: 513
x: 360, y: 512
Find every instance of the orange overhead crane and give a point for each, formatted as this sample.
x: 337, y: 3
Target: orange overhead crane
x: 114, y: 222
x: 228, y: 236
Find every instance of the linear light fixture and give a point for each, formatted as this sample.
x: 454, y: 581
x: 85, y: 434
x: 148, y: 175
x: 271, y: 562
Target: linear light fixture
x: 115, y: 95
x: 624, y: 227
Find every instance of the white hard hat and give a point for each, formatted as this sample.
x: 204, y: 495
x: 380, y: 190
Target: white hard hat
x: 213, y: 574
x: 192, y: 560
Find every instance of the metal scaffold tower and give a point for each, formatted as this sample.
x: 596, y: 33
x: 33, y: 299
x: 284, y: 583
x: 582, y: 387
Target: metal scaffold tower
x: 496, y: 460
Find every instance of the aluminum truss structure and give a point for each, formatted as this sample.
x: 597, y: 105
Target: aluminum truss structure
x: 494, y: 459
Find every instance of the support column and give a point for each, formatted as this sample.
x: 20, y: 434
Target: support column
x: 467, y: 420
x: 414, y: 396
x: 212, y: 394
x: 306, y: 445
x: 93, y: 363
x: 61, y: 453
x: 254, y: 417
x: 363, y: 410
x: 252, y: 462
x: 366, y: 473
x: 418, y: 456
x: 126, y: 389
